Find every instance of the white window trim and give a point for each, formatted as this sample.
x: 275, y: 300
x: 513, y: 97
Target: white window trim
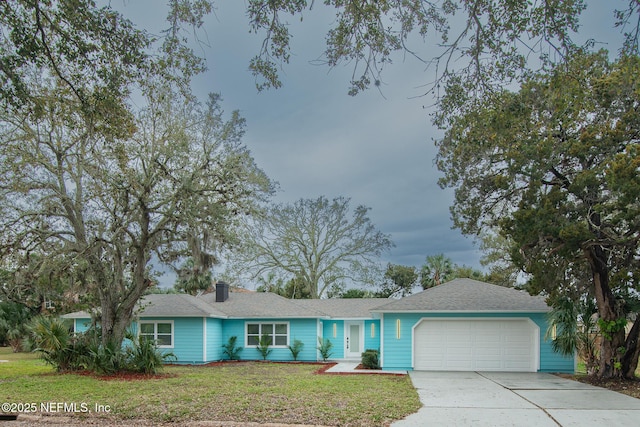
x: 155, y: 330
x: 246, y: 333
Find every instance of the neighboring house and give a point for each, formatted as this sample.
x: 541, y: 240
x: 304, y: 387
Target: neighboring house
x: 462, y: 325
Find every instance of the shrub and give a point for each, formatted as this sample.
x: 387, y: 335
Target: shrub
x: 105, y: 359
x: 145, y: 357
x: 325, y: 348
x: 231, y: 350
x: 50, y: 337
x: 370, y: 359
x: 296, y: 348
x: 263, y: 346
x: 58, y: 347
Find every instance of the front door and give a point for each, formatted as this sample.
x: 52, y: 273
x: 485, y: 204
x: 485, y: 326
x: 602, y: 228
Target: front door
x: 354, y: 340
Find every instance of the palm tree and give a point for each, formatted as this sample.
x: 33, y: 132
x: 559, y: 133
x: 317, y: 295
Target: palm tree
x: 573, y: 328
x: 436, y: 270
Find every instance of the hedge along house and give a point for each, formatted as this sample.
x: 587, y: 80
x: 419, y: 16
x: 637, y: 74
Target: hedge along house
x: 460, y: 325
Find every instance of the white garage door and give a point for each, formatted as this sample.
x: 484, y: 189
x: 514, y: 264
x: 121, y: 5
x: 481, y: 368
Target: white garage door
x: 476, y: 345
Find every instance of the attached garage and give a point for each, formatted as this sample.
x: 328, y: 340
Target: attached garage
x: 468, y: 325
x: 478, y: 344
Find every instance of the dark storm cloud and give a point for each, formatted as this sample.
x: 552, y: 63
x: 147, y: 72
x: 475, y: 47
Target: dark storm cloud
x: 310, y: 136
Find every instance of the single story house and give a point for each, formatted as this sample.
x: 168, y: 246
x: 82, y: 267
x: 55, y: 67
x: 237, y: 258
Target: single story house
x: 462, y: 325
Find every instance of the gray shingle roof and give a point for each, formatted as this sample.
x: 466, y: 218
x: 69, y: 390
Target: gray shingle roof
x: 260, y: 304
x: 353, y: 308
x: 177, y: 305
x: 166, y: 305
x: 460, y: 295
x: 468, y: 295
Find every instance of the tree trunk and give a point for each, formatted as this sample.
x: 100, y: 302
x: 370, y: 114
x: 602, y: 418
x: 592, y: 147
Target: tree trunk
x: 117, y: 314
x: 608, y: 311
x: 632, y: 351
x: 116, y: 307
x: 107, y: 317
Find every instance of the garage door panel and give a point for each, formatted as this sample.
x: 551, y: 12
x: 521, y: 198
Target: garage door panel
x: 458, y: 365
x: 475, y: 345
x: 487, y: 365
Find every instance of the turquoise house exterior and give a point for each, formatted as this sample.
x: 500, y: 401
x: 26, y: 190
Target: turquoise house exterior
x: 460, y: 325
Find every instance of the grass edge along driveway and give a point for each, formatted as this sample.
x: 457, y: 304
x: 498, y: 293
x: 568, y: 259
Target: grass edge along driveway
x: 242, y: 392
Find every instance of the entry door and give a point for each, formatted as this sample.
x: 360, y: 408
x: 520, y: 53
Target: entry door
x: 354, y: 340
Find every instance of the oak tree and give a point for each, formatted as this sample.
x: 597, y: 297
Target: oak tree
x: 554, y: 168
x: 398, y: 281
x: 93, y: 183
x: 484, y: 43
x: 314, y: 241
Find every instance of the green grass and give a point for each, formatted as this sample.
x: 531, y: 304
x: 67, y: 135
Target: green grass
x: 257, y: 392
x: 20, y: 364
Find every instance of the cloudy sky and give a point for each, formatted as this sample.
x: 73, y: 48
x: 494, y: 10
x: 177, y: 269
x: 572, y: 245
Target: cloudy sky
x: 313, y: 139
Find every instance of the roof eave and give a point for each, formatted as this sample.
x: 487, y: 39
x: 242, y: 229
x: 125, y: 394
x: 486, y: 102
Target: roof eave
x: 348, y: 318
x: 76, y: 315
x: 273, y: 316
x: 462, y: 311
x: 143, y: 315
x: 209, y: 316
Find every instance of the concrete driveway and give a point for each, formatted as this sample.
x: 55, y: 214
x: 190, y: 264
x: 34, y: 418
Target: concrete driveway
x: 516, y: 399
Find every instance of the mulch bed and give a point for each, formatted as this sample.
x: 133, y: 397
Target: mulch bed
x: 133, y: 376
x: 361, y: 366
x: 324, y: 366
x: 126, y: 376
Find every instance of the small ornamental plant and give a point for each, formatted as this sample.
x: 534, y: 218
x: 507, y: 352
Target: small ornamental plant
x: 370, y: 359
x: 324, y: 348
x: 231, y: 349
x: 263, y: 346
x: 296, y: 348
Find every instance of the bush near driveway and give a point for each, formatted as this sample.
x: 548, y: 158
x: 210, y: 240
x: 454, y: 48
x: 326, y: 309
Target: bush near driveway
x: 235, y: 391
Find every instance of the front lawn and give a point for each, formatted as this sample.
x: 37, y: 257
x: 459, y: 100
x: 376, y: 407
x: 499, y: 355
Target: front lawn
x: 244, y: 392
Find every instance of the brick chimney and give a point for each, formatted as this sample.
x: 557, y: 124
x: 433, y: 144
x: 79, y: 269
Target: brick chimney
x: 222, y: 291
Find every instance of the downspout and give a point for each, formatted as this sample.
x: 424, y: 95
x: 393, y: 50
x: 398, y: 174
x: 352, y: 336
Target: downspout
x: 382, y: 341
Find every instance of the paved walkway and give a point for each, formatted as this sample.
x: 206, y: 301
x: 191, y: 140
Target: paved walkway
x: 344, y: 367
x: 516, y: 399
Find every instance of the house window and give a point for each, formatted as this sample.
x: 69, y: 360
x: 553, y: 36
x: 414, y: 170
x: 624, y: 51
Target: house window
x: 161, y: 332
x: 277, y: 332
x: 373, y: 330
